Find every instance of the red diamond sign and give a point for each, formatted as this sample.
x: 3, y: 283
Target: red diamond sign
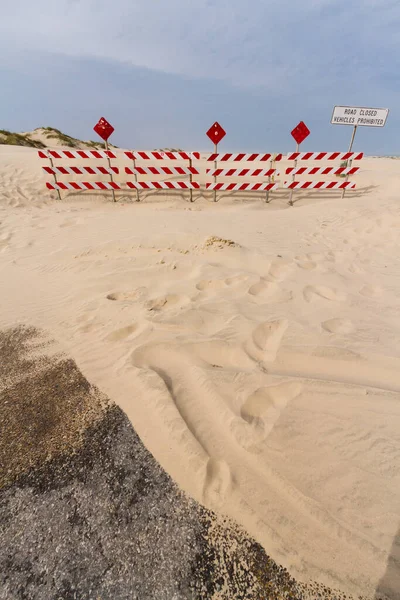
x: 216, y: 133
x: 103, y: 129
x: 300, y: 132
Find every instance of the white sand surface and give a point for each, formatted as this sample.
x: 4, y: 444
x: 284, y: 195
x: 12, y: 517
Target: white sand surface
x: 264, y: 376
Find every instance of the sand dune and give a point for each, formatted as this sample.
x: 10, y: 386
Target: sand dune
x: 263, y: 375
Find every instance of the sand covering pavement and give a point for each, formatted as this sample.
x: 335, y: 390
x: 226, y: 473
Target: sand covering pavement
x: 254, y: 349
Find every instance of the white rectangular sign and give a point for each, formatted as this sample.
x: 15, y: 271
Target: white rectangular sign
x: 366, y: 117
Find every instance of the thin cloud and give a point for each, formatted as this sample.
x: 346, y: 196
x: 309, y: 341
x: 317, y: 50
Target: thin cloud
x: 162, y: 72
x: 264, y: 44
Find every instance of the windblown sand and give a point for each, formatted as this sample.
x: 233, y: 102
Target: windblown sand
x: 253, y: 347
x: 87, y: 512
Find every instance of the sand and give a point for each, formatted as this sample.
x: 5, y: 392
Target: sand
x: 253, y: 348
x: 87, y: 512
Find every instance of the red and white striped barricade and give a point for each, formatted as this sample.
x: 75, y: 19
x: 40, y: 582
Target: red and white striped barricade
x: 147, y: 171
x: 270, y: 172
x: 84, y: 170
x: 346, y: 171
x: 111, y: 171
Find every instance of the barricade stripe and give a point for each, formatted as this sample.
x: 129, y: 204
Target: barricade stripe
x: 139, y: 155
x: 59, y: 154
x: 319, y: 185
x: 84, y: 185
x: 243, y: 157
x: 242, y: 186
x: 163, y: 185
x: 81, y: 170
x: 161, y: 171
x: 325, y: 156
x: 241, y: 172
x: 322, y: 171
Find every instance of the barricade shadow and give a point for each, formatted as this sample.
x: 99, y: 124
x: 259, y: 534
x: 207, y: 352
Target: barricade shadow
x: 281, y: 195
x: 300, y: 195
x: 129, y: 195
x: 389, y: 585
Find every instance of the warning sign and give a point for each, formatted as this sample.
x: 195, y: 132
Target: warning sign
x: 103, y: 128
x: 300, y: 132
x: 359, y: 116
x: 216, y: 133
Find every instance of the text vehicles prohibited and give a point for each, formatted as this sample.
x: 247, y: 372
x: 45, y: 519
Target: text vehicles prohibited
x: 359, y: 116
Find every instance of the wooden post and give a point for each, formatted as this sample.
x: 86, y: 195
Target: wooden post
x: 111, y: 175
x: 293, y: 178
x: 271, y: 162
x: 135, y: 176
x: 54, y: 175
x: 191, y: 178
x: 215, y: 167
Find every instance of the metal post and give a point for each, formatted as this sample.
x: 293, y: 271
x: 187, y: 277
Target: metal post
x: 349, y: 162
x: 55, y: 176
x: 215, y: 167
x: 135, y: 176
x: 293, y: 178
x: 190, y: 179
x: 111, y: 176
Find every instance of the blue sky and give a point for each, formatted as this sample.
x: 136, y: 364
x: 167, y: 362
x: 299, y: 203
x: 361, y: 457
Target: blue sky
x: 163, y: 71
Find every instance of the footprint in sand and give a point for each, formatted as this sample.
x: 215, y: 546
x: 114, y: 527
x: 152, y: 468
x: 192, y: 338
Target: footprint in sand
x: 5, y: 240
x: 311, y: 262
x: 89, y: 327
x: 371, y: 291
x: 280, y: 269
x: 121, y: 334
x: 218, y: 482
x: 338, y: 326
x: 167, y: 302
x: 337, y: 257
x: 91, y: 307
x: 210, y: 284
x: 315, y: 256
x: 133, y: 296
x: 265, y: 340
x: 269, y: 290
x: 310, y: 257
x: 261, y: 411
x: 266, y: 288
x: 319, y: 291
x: 355, y: 268
x: 307, y: 265
x: 71, y: 223
x: 236, y: 279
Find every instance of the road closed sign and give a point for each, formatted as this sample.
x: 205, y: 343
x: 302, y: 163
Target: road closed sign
x: 360, y: 116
